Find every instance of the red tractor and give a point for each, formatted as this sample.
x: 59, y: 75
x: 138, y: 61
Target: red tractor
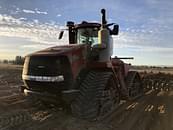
x: 82, y: 74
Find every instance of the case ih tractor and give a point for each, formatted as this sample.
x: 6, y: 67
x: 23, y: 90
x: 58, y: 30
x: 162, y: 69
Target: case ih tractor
x: 82, y: 74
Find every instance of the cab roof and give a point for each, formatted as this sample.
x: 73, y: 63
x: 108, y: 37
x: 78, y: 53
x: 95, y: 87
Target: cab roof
x: 87, y: 24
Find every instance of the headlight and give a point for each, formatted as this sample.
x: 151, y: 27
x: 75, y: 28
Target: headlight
x: 58, y: 78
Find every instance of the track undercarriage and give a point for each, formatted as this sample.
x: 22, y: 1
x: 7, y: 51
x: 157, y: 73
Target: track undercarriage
x: 100, y: 93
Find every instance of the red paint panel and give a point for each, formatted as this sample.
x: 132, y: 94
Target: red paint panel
x: 78, y: 60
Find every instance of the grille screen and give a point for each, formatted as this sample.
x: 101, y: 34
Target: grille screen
x: 43, y: 65
x: 48, y: 66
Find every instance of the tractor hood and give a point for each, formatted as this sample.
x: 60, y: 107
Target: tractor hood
x: 58, y: 50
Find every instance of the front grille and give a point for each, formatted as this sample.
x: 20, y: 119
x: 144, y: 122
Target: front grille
x: 43, y: 73
x: 43, y: 66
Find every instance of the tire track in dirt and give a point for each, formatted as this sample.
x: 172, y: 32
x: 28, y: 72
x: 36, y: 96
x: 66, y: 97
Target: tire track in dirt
x: 151, y: 112
x: 12, y: 103
x: 17, y: 111
x: 12, y: 112
x: 165, y: 116
x: 149, y: 116
x: 8, y: 121
x: 130, y: 113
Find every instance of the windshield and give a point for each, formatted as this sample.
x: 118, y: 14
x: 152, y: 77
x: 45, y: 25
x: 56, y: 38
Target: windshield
x: 87, y: 35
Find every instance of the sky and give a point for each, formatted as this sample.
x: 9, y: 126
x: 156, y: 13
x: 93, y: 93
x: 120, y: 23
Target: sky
x: 146, y: 26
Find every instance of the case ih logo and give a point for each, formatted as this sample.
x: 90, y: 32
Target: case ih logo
x: 41, y: 67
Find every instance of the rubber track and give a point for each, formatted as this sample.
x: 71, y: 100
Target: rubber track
x: 87, y: 104
x: 129, y: 82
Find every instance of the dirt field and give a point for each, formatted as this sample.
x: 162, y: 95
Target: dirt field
x: 153, y: 111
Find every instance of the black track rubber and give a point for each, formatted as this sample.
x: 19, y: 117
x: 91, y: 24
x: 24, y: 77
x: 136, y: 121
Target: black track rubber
x: 88, y: 103
x: 134, y: 84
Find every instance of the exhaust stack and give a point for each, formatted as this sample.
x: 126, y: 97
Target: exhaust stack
x: 103, y: 21
x: 103, y: 33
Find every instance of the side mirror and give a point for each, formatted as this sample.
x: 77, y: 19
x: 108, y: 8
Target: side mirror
x: 61, y: 35
x: 115, y: 30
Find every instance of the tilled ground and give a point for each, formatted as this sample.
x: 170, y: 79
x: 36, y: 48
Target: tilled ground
x: 153, y: 111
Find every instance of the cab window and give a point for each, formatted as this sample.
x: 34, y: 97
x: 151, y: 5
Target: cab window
x: 87, y: 36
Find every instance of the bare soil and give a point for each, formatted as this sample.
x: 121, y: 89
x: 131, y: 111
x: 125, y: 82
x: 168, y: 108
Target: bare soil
x: 153, y: 111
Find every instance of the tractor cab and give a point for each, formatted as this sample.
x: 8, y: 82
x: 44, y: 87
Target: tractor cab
x: 88, y: 32
x: 83, y: 33
x: 98, y: 36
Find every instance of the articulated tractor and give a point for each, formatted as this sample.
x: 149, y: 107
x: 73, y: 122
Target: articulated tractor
x: 82, y: 74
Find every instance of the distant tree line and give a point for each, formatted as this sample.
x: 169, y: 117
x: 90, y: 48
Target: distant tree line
x: 150, y: 67
x: 19, y: 60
